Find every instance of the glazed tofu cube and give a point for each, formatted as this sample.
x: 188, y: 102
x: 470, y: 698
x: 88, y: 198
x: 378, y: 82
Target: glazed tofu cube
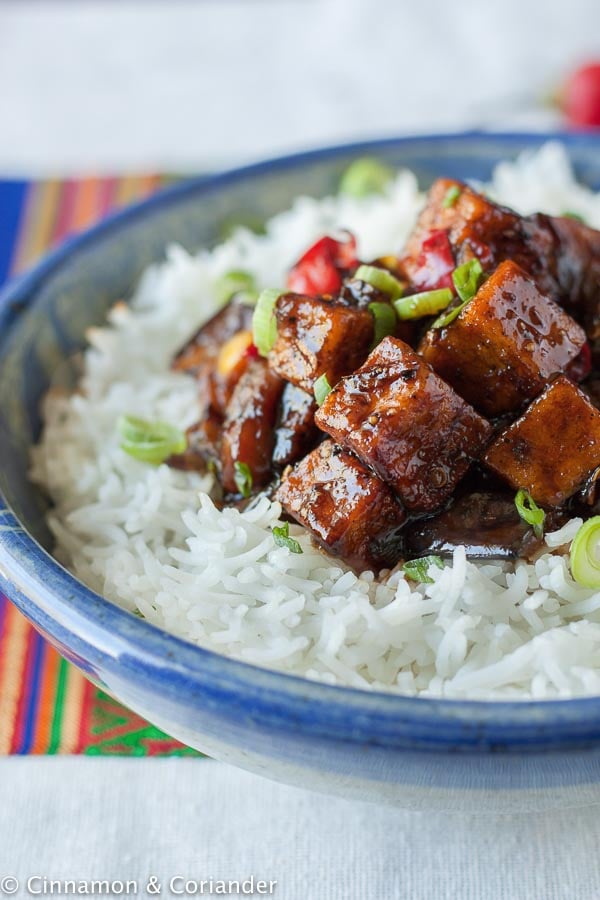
x: 401, y: 419
x: 505, y: 345
x: 248, y: 430
x: 552, y: 448
x: 296, y: 432
x: 318, y: 337
x: 348, y: 509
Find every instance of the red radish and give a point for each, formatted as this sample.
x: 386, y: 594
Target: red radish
x: 581, y: 96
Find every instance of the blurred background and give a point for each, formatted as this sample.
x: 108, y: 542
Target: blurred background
x: 190, y: 86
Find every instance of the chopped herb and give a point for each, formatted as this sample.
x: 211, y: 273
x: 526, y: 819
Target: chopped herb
x: 234, y: 282
x: 380, y: 279
x: 243, y: 478
x: 451, y: 196
x: 427, y: 303
x: 385, y: 321
x: 530, y: 512
x: 281, y: 536
x: 585, y: 558
x: 151, y: 442
x: 417, y: 569
x: 321, y: 389
x: 264, y: 323
x: 573, y: 215
x: 365, y: 176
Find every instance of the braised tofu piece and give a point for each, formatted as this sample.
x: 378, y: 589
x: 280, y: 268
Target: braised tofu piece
x: 296, y: 432
x: 578, y: 271
x: 458, y: 224
x: 249, y: 428
x: 202, y: 350
x: 401, y: 419
x: 506, y: 343
x: 350, y: 511
x: 318, y: 337
x: 553, y: 448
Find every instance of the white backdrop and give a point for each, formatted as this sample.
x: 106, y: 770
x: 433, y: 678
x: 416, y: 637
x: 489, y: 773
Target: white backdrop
x: 122, y: 85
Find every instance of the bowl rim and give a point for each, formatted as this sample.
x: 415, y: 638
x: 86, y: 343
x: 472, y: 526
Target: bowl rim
x: 27, y: 569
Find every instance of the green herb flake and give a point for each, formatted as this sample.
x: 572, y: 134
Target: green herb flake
x: 530, y: 512
x: 417, y: 569
x: 364, y: 177
x: 281, y: 536
x: 451, y: 196
x: 573, y: 215
x: 242, y: 476
x: 321, y: 389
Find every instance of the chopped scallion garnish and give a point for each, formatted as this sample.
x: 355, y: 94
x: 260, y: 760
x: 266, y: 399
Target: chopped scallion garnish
x: 365, y: 176
x: 150, y: 442
x: 451, y: 196
x: 573, y: 215
x: 384, y: 321
x: 264, y: 323
x: 235, y: 282
x: 380, y: 279
x: 530, y: 512
x: 427, y: 303
x: 242, y: 476
x: 585, y: 554
x: 466, y: 279
x: 321, y: 389
x: 417, y: 569
x: 281, y: 536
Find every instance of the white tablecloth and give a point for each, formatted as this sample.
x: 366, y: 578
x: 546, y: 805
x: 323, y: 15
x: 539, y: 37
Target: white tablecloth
x: 83, y: 818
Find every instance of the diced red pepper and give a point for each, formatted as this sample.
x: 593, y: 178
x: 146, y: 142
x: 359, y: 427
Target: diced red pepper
x: 319, y: 270
x: 581, y: 366
x: 251, y: 351
x: 435, y: 262
x: 581, y: 97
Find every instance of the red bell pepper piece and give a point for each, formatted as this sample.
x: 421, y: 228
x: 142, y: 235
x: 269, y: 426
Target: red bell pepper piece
x: 435, y: 262
x: 319, y: 270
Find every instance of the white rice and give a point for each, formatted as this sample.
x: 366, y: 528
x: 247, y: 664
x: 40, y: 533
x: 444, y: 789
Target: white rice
x: 151, y: 540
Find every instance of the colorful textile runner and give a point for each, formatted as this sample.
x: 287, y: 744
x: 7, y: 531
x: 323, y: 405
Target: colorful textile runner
x: 46, y: 705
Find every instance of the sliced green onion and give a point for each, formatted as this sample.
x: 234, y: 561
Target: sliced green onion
x: 451, y: 196
x: 321, y: 389
x: 380, y: 279
x: 530, y: 512
x: 264, y: 323
x: 449, y: 317
x: 385, y: 321
x: 365, y: 176
x: 281, y: 536
x: 426, y: 303
x: 150, y: 442
x: 243, y: 478
x: 234, y: 282
x: 573, y: 215
x: 417, y: 569
x: 585, y: 557
x: 466, y: 279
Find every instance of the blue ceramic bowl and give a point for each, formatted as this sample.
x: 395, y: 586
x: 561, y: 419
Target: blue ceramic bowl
x: 406, y: 751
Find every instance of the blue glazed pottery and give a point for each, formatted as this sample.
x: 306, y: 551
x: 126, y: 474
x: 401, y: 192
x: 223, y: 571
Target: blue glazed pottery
x: 421, y: 753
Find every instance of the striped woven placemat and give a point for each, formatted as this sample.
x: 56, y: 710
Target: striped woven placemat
x: 46, y: 705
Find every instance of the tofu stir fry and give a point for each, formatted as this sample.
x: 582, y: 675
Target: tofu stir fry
x: 403, y: 406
